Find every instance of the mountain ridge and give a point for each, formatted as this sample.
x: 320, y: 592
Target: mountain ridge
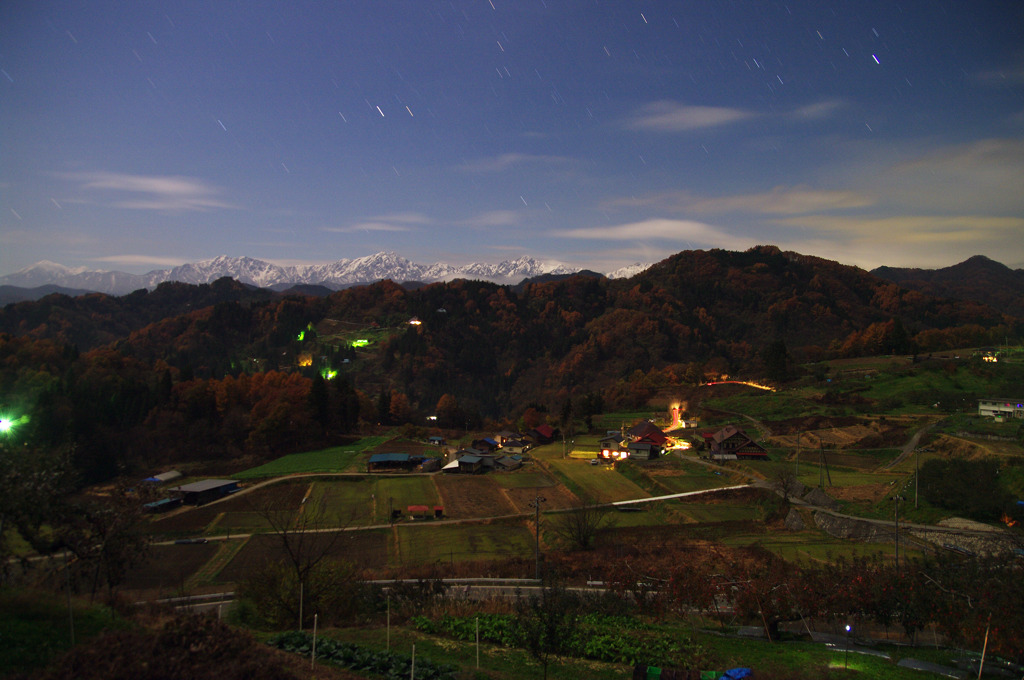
x: 335, y: 275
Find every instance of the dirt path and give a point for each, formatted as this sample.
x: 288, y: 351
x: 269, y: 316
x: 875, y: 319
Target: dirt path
x: 911, y: 445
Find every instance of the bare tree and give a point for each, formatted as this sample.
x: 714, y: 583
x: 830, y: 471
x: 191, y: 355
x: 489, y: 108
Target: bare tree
x: 580, y: 525
x: 309, y: 537
x: 786, y: 483
x: 105, y: 534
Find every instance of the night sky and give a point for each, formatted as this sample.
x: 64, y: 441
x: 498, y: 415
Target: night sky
x: 141, y: 135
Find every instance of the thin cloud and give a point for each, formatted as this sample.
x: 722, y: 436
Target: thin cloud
x: 779, y: 201
x: 966, y: 229
x: 818, y: 110
x: 368, y: 226
x: 687, y: 231
x: 980, y: 177
x: 495, y: 218
x: 669, y: 116
x: 140, y: 260
x: 153, y: 192
x: 508, y: 160
x: 784, y: 201
x: 395, y: 222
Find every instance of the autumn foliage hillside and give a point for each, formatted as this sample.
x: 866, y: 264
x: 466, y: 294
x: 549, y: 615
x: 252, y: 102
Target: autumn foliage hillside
x: 221, y: 370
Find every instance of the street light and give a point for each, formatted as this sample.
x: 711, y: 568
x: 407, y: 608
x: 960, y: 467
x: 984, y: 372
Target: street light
x: 846, y: 654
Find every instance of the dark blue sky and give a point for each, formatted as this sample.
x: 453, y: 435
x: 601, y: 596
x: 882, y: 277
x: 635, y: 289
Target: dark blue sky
x: 145, y: 134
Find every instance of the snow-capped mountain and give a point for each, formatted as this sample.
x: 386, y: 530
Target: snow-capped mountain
x: 345, y: 272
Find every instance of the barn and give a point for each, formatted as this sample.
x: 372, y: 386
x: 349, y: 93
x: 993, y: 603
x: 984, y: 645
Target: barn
x: 199, y: 493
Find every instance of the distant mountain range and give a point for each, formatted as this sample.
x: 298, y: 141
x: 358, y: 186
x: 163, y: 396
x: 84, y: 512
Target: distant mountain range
x: 334, y: 276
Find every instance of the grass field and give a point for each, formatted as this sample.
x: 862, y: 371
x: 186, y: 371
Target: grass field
x: 599, y: 482
x: 336, y: 459
x: 425, y: 543
x: 525, y: 479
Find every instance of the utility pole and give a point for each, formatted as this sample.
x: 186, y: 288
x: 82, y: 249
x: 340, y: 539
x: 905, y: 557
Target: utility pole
x: 897, y: 498
x: 536, y: 522
x: 917, y: 472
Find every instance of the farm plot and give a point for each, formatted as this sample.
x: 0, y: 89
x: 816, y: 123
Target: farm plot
x: 364, y: 549
x: 695, y: 478
x: 524, y: 479
x: 398, y: 493
x: 599, y: 482
x: 347, y: 501
x: 431, y: 544
x: 336, y: 459
x: 467, y: 496
x: 169, y: 567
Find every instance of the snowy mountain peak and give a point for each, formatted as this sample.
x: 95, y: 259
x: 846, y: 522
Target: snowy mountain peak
x: 339, y: 274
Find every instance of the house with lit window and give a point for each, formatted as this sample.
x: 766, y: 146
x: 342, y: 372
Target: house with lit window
x: 1001, y: 409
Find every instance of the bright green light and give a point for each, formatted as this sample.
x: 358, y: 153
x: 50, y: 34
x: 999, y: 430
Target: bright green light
x: 302, y: 335
x: 360, y: 343
x: 328, y: 374
x: 7, y: 423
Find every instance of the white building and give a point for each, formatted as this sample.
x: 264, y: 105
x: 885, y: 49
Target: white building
x: 1001, y: 408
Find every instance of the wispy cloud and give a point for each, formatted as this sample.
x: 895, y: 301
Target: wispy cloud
x: 780, y: 200
x: 679, y: 231
x: 152, y: 192
x: 396, y: 222
x: 818, y: 110
x: 495, y: 218
x: 980, y: 177
x: 507, y: 160
x: 669, y: 116
x: 967, y: 229
x: 140, y: 260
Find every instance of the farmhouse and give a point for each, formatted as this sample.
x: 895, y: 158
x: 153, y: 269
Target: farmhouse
x: 1001, y: 408
x: 508, y: 463
x: 732, y: 443
x: 198, y: 493
x: 643, y: 451
x: 470, y: 464
x: 517, y: 446
x: 542, y: 434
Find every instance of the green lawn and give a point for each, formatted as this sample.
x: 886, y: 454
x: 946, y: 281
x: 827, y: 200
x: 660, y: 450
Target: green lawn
x: 336, y: 459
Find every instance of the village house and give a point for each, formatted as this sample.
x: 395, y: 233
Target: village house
x: 732, y: 443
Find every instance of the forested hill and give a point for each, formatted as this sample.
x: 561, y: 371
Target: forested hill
x: 233, y: 371
x: 94, y: 319
x: 978, y: 278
